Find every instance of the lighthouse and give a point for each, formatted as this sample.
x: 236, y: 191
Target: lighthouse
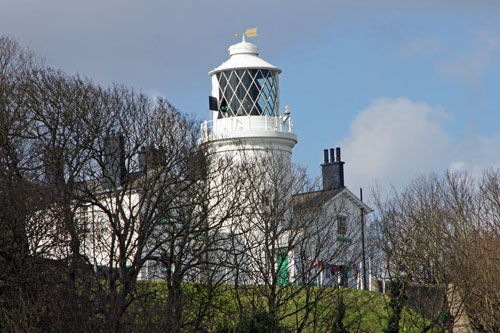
x: 271, y: 224
x: 245, y: 112
x: 254, y: 140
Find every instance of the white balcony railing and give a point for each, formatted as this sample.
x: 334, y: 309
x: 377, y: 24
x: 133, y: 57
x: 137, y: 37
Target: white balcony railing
x: 244, y: 123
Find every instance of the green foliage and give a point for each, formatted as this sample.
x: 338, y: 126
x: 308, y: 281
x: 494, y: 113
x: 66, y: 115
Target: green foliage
x: 344, y: 310
x: 257, y: 322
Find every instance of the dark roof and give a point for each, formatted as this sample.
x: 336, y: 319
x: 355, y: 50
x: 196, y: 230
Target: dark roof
x: 314, y: 199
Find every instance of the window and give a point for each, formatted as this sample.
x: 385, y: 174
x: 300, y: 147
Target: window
x: 248, y: 92
x: 83, y: 215
x: 341, y: 226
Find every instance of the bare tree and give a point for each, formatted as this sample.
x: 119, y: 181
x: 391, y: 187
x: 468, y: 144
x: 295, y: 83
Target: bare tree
x: 22, y: 194
x: 426, y: 233
x: 286, y: 245
x: 89, y: 176
x: 15, y: 157
x: 480, y: 261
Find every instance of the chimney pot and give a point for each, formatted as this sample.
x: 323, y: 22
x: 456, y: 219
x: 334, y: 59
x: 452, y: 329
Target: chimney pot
x: 332, y: 155
x: 326, y: 155
x: 338, y: 155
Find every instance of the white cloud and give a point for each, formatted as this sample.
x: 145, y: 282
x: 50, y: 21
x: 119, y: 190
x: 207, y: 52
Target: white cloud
x: 470, y: 67
x: 393, y: 141
x: 477, y: 153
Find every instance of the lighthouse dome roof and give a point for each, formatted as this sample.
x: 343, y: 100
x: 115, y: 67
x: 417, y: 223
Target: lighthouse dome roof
x: 244, y: 55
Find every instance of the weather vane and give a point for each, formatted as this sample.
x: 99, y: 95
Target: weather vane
x: 252, y: 32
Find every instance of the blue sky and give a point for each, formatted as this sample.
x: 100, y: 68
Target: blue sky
x: 404, y: 87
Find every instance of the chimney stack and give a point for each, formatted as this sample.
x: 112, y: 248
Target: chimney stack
x: 114, y: 160
x: 333, y: 170
x: 150, y: 157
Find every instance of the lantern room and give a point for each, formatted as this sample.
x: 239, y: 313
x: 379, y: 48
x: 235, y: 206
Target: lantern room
x: 245, y: 85
x: 244, y: 104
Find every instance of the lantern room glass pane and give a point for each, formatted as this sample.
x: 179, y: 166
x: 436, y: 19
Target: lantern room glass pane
x: 248, y: 92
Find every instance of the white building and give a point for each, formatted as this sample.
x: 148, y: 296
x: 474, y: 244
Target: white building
x: 246, y: 126
x: 343, y: 262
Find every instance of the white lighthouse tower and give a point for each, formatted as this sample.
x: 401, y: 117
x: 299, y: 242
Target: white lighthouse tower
x: 245, y: 115
x: 247, y: 129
